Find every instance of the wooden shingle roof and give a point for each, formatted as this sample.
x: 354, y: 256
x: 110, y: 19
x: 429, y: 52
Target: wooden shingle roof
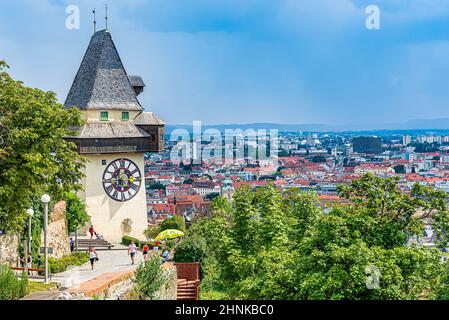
x: 102, y: 82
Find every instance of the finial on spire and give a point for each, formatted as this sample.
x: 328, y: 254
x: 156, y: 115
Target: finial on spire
x: 106, y: 16
x: 95, y: 21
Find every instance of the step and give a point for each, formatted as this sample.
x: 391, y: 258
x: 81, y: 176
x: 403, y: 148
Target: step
x: 183, y: 290
x: 186, y: 298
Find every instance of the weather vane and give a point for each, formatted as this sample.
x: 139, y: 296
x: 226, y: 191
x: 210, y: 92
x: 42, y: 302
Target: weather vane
x: 106, y: 16
x: 95, y: 21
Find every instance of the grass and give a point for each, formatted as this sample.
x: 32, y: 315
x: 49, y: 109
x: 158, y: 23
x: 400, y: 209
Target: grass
x: 35, y: 286
x: 213, y: 295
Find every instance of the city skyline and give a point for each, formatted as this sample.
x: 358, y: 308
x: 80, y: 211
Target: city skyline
x: 296, y: 62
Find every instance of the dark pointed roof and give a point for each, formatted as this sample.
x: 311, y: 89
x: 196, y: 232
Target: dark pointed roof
x: 102, y: 82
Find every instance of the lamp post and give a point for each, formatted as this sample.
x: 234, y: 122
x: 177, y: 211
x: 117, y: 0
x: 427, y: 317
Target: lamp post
x: 30, y: 213
x: 45, y: 200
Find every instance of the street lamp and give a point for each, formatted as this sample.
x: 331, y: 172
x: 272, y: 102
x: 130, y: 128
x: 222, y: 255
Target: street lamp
x: 30, y: 213
x: 45, y: 200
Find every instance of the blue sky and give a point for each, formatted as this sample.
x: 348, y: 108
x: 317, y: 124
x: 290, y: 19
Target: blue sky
x: 245, y: 61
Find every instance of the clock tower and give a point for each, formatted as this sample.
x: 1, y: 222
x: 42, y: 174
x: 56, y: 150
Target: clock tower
x: 116, y: 134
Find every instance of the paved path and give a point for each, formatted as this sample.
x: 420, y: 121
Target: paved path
x: 46, y: 295
x: 110, y: 261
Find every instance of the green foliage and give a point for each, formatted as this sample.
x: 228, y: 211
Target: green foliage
x: 11, y: 287
x: 283, y: 153
x: 76, y: 212
x: 188, y: 181
x: 156, y: 186
x: 149, y: 278
x: 273, y: 245
x: 152, y: 232
x: 212, y: 196
x: 72, y: 260
x: 34, y: 157
x: 126, y: 240
x: 190, y: 250
x: 318, y: 159
x: 175, y: 222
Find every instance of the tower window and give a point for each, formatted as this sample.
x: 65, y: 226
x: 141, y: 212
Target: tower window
x: 104, y: 116
x: 125, y: 116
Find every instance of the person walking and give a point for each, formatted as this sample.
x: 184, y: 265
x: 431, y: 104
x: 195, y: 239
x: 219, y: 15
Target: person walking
x: 39, y: 261
x: 132, y: 251
x: 145, y: 249
x: 72, y: 245
x: 91, y: 231
x: 93, y: 256
x: 30, y: 263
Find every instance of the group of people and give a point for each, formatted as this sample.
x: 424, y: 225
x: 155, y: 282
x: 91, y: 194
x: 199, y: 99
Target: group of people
x: 29, y: 262
x: 132, y: 252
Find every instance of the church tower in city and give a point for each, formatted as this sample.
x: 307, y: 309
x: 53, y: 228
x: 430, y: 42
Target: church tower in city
x: 114, y: 138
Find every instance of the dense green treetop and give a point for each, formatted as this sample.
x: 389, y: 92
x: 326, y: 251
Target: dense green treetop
x: 270, y: 244
x: 34, y: 157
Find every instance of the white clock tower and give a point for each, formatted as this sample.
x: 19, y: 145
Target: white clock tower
x: 116, y: 135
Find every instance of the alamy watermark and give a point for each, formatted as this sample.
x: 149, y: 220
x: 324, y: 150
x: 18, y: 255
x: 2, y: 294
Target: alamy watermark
x: 72, y: 21
x: 372, y: 277
x: 372, y: 21
x: 259, y: 147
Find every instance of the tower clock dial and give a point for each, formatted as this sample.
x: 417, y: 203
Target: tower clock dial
x: 122, y: 180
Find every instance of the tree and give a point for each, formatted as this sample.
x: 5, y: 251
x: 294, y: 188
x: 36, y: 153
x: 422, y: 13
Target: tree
x: 273, y: 245
x: 34, y: 157
x: 283, y: 153
x: 76, y: 212
x: 156, y: 186
x: 149, y: 278
x: 318, y: 159
x: 400, y: 169
x: 152, y: 232
x: 175, y: 222
x: 188, y: 181
x: 212, y: 196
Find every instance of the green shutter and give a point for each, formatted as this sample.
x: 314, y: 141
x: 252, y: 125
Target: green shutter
x: 104, y: 116
x: 125, y: 116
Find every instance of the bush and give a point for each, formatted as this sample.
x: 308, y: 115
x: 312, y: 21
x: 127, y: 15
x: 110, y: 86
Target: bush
x: 11, y: 287
x: 190, y: 250
x: 149, y: 278
x: 72, y: 260
x: 126, y: 240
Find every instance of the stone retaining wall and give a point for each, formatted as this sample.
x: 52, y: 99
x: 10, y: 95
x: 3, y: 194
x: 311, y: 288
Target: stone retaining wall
x: 9, y: 249
x: 58, y: 238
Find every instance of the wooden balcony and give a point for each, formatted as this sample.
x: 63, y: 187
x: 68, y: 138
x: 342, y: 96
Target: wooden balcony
x: 117, y: 145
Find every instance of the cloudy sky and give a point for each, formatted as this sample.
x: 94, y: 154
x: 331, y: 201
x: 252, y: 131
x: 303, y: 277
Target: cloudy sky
x: 245, y: 61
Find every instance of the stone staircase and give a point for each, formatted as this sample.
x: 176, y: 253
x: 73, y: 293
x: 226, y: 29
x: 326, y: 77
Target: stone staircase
x: 187, y: 290
x: 98, y: 244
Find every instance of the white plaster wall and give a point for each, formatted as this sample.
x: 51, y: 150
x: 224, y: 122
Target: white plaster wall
x: 107, y: 214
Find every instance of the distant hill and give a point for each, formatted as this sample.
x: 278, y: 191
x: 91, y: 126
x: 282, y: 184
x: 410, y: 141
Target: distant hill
x: 415, y: 124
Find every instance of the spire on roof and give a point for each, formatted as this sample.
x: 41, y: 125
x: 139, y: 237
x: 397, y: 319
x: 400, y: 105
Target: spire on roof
x: 102, y: 82
x: 95, y: 21
x: 106, y: 15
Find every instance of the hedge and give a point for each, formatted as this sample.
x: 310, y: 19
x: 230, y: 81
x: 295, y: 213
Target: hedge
x: 72, y: 260
x: 126, y: 240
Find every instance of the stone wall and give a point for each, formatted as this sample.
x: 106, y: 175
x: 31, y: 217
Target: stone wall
x: 9, y: 249
x: 57, y: 234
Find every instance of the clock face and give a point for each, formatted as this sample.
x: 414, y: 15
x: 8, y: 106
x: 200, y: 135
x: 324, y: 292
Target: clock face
x: 122, y: 180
